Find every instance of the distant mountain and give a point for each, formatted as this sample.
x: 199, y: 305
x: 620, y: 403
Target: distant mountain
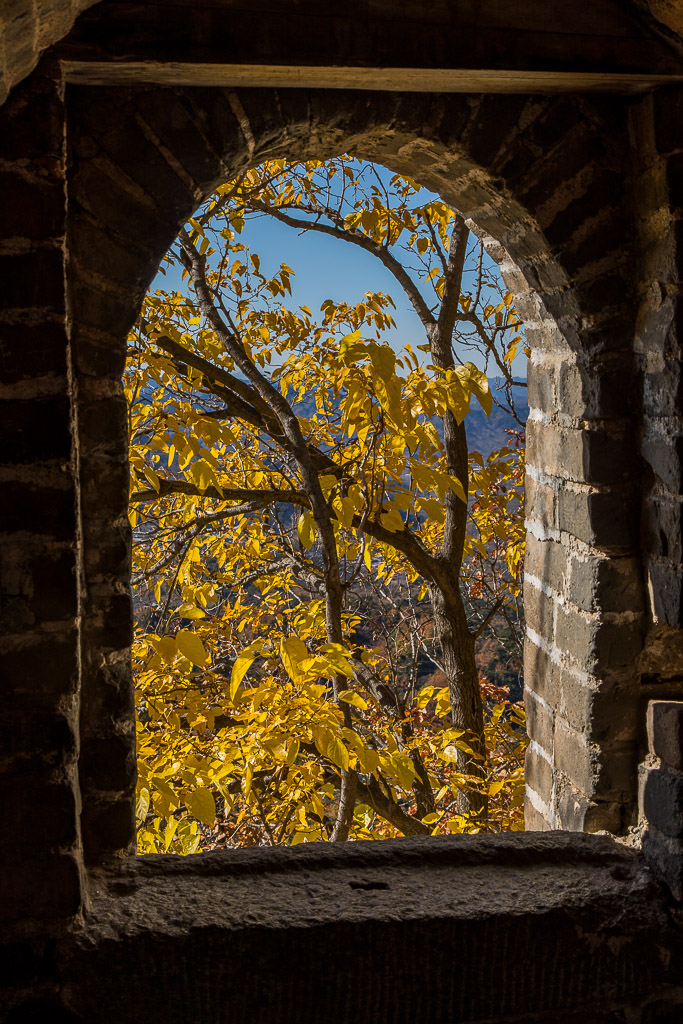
x: 485, y: 433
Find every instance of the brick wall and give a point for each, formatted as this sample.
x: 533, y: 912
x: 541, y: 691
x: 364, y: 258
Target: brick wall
x: 39, y: 561
x: 661, y: 793
x: 578, y: 198
x: 553, y: 199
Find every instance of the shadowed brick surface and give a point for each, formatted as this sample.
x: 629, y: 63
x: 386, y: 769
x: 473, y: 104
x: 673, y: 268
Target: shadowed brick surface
x: 579, y: 198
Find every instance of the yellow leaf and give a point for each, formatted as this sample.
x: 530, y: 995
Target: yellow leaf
x: 353, y: 698
x: 248, y: 776
x: 391, y: 521
x: 293, y: 651
x: 337, y: 753
x: 190, y: 611
x: 152, y: 477
x: 142, y: 805
x: 433, y: 508
x: 167, y: 648
x: 191, y: 647
x: 202, y: 805
x: 306, y: 530
x: 242, y: 665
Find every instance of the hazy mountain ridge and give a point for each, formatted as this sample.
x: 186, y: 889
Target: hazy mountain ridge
x: 485, y: 434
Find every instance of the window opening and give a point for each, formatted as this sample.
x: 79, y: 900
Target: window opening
x: 327, y: 506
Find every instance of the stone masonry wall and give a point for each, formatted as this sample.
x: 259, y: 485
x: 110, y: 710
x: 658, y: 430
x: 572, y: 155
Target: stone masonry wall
x: 27, y: 28
x: 39, y: 649
x: 143, y: 158
x: 580, y: 199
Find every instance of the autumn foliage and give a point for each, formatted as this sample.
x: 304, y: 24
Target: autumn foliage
x: 307, y: 533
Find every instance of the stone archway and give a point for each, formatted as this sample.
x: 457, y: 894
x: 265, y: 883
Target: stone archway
x: 552, y: 198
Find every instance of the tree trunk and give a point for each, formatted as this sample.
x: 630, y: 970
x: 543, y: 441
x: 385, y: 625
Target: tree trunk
x: 457, y: 644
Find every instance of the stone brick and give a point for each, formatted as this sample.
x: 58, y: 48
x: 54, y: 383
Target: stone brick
x: 32, y: 209
x: 578, y: 813
x: 39, y: 815
x: 597, y: 645
x: 98, y: 353
x: 539, y: 720
x: 47, y: 511
x: 30, y: 739
x: 116, y: 309
x: 605, y: 584
x: 664, y: 854
x: 538, y: 773
x: 666, y: 588
x: 664, y: 524
x: 603, y: 713
x: 665, y: 457
x: 108, y: 762
x: 661, y: 799
x: 484, y: 137
x: 577, y: 149
x: 33, y: 280
x: 108, y: 827
x: 533, y: 819
x: 604, y: 292
x: 541, y: 673
x: 547, y: 561
x: 33, y: 123
x: 36, y: 430
x: 116, y: 208
x: 28, y: 351
x: 541, y: 384
x: 619, y: 777
x: 148, y: 168
x: 606, y: 519
x: 105, y: 482
x: 41, y: 668
x: 599, y: 247
x: 575, y: 757
x: 103, y: 427
x: 604, y: 190
x: 665, y: 731
x: 171, y: 121
x: 42, y: 889
x: 53, y: 577
x: 108, y: 549
x: 112, y: 624
x: 674, y: 179
x: 539, y: 611
x: 97, y: 250
x: 596, y: 392
x: 667, y: 111
x: 590, y: 456
x: 541, y: 503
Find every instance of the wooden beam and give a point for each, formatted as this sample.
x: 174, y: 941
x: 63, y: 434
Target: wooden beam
x: 445, y: 80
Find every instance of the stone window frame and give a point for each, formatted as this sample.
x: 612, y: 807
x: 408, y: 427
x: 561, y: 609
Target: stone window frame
x: 582, y: 901
x: 566, y: 260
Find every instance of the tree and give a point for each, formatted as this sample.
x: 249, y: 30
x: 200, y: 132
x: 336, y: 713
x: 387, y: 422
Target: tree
x: 287, y: 488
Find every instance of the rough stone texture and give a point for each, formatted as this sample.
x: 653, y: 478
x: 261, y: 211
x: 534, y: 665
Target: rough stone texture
x: 665, y: 732
x: 39, y: 604
x: 661, y: 793
x: 27, y: 28
x: 402, y: 931
x: 579, y: 198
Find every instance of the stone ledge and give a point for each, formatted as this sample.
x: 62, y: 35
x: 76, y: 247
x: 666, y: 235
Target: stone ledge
x: 304, y: 935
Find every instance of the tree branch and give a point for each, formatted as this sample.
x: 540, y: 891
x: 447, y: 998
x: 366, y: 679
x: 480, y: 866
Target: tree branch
x: 336, y: 230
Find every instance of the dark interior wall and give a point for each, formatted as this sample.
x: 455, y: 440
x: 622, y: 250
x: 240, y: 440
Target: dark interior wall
x: 580, y: 197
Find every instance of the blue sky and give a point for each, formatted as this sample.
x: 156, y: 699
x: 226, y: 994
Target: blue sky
x: 326, y: 268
